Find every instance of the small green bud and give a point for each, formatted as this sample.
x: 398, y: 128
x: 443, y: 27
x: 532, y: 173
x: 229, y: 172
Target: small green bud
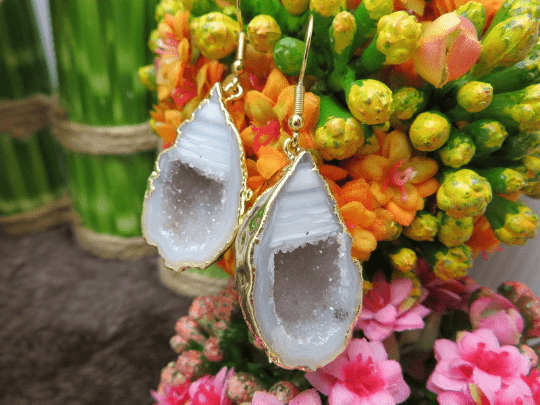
x: 295, y: 7
x: 429, y: 131
x: 147, y: 76
x: 403, y: 259
x: 532, y: 190
x: 503, y: 179
x: 288, y: 55
x: 529, y: 168
x: 397, y: 37
x: 339, y: 138
x: 526, y: 112
x: 476, y: 13
x: 454, y: 231
x: 452, y: 262
x: 168, y: 7
x: 370, y: 101
x: 408, y: 102
x: 215, y: 34
x: 376, y: 9
x: 464, y: 193
x: 519, y: 225
x: 327, y: 8
x: 488, y: 135
x: 153, y: 40
x: 506, y: 44
x: 458, y: 150
x: 475, y: 96
x: 424, y: 227
x: 263, y: 33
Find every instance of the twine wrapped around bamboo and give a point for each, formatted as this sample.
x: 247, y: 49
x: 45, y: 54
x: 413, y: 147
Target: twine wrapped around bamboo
x: 23, y: 117
x: 102, y: 140
x: 190, y: 283
x: 56, y: 212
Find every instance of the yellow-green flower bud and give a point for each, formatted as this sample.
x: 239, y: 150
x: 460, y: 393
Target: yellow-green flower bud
x: 454, y: 231
x: 370, y: 101
x: 343, y: 30
x: 153, y: 40
x: 147, y: 76
x: 464, y: 193
x: 295, y: 7
x: 518, y: 226
x: 506, y: 44
x: 397, y: 37
x: 327, y: 8
x: 429, y: 131
x: 424, y: 227
x: 168, y: 7
x: 215, y: 34
x: 403, y: 259
x: 475, y: 96
x: 263, y: 33
x: 475, y: 12
x: 458, y: 150
x: 526, y: 112
x: 532, y: 190
x: 453, y: 262
x: 408, y: 101
x: 339, y: 138
x: 376, y: 9
x: 530, y: 169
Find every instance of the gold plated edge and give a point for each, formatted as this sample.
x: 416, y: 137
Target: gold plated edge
x: 245, y: 268
x: 157, y: 172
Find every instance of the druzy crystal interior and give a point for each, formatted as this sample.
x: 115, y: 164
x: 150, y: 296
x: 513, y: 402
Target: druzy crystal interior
x: 307, y: 288
x: 191, y: 213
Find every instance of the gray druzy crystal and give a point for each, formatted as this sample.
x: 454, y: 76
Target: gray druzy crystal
x: 191, y: 211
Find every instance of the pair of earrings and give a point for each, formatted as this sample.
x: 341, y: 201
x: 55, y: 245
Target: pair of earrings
x: 300, y: 290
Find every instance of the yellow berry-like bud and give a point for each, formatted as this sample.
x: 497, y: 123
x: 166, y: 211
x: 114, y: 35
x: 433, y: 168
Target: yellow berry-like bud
x: 370, y: 101
x: 454, y: 231
x: 518, y: 226
x: 429, y: 131
x: 339, y: 138
x: 475, y: 12
x: 168, y: 7
x: 215, y: 34
x: 424, y: 227
x: 403, y: 259
x: 342, y: 31
x: 147, y: 76
x: 397, y: 36
x: 295, y: 7
x: 453, y: 262
x: 475, y: 96
x: 263, y: 33
x: 464, y: 194
x: 328, y: 8
x: 376, y: 9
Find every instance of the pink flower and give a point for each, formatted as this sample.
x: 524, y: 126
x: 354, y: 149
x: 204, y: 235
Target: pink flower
x: 362, y: 374
x: 533, y: 382
x: 210, y: 390
x: 190, y: 364
x: 448, y: 48
x: 383, y: 313
x: 173, y: 395
x: 477, y: 358
x: 526, y: 302
x: 309, y: 397
x: 493, y: 311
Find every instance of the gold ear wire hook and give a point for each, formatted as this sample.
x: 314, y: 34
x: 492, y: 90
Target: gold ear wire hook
x: 237, y: 66
x: 296, y: 121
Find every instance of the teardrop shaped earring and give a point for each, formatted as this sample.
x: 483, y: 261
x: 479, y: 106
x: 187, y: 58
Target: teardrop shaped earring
x: 300, y: 290
x: 197, y: 192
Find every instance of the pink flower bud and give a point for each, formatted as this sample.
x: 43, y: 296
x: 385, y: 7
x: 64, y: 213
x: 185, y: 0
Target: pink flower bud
x: 448, y: 48
x: 187, y: 328
x: 190, y: 364
x: 211, y: 349
x: 494, y: 312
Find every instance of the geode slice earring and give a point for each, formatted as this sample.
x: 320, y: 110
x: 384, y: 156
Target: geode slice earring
x: 197, y: 192
x: 299, y: 288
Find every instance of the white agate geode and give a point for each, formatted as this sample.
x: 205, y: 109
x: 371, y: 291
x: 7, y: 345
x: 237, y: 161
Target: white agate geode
x: 306, y: 291
x: 195, y: 198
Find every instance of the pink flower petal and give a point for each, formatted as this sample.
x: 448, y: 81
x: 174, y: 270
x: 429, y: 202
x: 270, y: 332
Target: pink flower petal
x: 455, y: 398
x: 386, y: 314
x: 309, y: 397
x: 321, y: 381
x: 381, y: 397
x: 265, y: 398
x: 341, y: 395
x: 488, y: 383
x: 446, y: 349
x: 400, y: 289
x: 376, y: 331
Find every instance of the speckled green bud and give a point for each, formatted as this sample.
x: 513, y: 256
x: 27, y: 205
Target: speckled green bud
x: 454, y: 231
x: 488, y: 135
x: 526, y: 113
x: 327, y: 8
x: 475, y: 96
x: 512, y: 222
x: 168, y: 7
x: 397, y: 36
x: 370, y: 101
x: 529, y: 168
x: 452, y: 262
x: 339, y: 138
x: 424, y: 227
x: 408, y: 102
x: 263, y: 33
x: 295, y: 7
x: 342, y: 31
x: 403, y: 259
x: 519, y: 145
x: 503, y: 180
x: 429, y: 131
x: 532, y: 190
x: 458, y: 150
x: 376, y: 9
x: 288, y: 55
x: 147, y: 76
x: 464, y: 193
x: 215, y: 34
x: 476, y: 13
x: 506, y: 44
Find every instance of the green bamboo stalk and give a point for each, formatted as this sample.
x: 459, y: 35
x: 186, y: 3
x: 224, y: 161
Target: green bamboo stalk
x: 55, y: 162
x: 99, y: 200
x: 79, y: 189
x: 36, y: 171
